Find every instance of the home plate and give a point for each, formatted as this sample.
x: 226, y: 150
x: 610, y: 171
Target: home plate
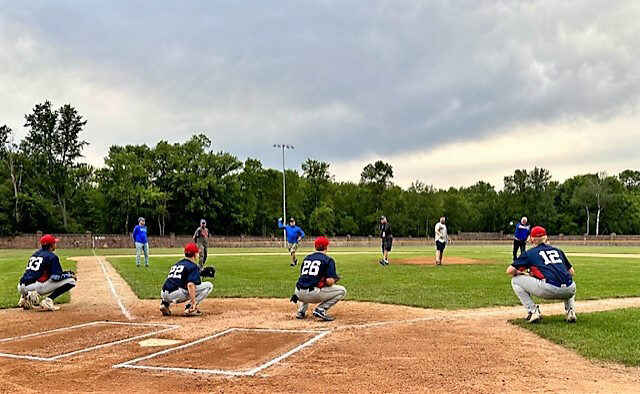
x: 151, y: 342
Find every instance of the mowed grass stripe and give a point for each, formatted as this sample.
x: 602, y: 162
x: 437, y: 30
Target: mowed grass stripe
x: 426, y: 286
x: 606, y: 336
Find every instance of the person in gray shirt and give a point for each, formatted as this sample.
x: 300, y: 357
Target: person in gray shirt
x: 201, y: 238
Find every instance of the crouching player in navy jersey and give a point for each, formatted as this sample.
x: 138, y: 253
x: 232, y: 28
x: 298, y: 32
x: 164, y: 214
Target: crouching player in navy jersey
x: 44, y: 276
x: 184, y: 284
x: 550, y: 276
x: 317, y: 283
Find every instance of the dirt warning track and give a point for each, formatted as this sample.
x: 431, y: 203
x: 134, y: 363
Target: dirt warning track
x: 370, y: 347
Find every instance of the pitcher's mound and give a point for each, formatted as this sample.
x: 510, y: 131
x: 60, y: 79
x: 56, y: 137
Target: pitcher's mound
x: 430, y: 260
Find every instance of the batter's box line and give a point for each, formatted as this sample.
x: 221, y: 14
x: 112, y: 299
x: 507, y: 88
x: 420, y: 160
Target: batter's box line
x: 165, y: 328
x: 319, y: 335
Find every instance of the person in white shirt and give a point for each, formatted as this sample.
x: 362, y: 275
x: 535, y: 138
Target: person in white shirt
x: 441, y: 239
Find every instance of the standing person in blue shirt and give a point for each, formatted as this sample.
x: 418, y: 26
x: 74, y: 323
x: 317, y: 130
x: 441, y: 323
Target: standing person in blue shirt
x: 317, y: 283
x: 520, y: 237
x: 44, y: 276
x: 294, y: 235
x: 545, y: 272
x: 141, y: 242
x: 184, y: 284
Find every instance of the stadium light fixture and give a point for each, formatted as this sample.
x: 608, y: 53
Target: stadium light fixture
x: 284, y: 186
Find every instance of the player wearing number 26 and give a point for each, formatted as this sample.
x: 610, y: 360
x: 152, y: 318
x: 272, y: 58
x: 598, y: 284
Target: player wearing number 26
x: 44, y: 277
x: 317, y: 283
x: 183, y: 284
x: 545, y: 272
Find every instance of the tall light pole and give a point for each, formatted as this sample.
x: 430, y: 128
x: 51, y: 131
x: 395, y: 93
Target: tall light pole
x: 284, y: 187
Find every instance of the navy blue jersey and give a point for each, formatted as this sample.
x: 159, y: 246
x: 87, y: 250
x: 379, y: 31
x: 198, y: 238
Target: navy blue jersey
x: 522, y: 232
x: 42, y: 266
x: 315, y: 268
x: 546, y: 262
x: 181, y: 273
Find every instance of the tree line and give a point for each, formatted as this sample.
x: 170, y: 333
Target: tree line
x: 46, y: 186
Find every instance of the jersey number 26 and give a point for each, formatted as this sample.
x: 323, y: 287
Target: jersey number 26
x: 311, y: 267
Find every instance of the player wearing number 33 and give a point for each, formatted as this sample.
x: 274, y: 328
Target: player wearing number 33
x: 44, y: 276
x: 549, y: 276
x: 317, y: 283
x: 184, y: 284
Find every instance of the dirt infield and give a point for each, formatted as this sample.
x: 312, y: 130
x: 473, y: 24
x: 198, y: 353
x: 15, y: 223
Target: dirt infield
x: 371, y: 348
x: 430, y: 260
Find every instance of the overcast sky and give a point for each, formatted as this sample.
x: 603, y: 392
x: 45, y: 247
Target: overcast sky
x: 448, y: 92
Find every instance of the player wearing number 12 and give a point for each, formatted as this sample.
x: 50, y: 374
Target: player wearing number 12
x: 184, y: 284
x: 549, y: 276
x: 317, y: 283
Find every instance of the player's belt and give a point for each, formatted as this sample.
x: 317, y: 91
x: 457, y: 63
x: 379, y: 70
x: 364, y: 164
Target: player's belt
x: 558, y: 285
x: 306, y: 288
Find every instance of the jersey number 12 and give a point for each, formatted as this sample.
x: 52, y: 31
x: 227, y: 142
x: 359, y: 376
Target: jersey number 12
x: 550, y: 257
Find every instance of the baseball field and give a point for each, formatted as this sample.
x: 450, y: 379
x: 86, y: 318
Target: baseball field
x: 407, y: 327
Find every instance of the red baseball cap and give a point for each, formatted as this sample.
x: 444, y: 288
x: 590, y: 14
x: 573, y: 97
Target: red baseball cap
x: 48, y: 239
x: 538, y: 231
x: 321, y: 243
x: 191, y: 249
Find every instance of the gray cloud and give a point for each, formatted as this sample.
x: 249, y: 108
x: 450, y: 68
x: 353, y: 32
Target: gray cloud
x: 337, y: 79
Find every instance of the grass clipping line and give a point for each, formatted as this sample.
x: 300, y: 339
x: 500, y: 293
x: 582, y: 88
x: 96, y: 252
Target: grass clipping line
x: 610, y: 336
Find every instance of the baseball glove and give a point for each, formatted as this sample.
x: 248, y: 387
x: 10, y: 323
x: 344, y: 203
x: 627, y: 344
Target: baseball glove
x: 71, y: 273
x: 208, y: 272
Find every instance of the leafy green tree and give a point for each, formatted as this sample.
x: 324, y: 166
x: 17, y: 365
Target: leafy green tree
x: 378, y: 174
x: 630, y: 179
x: 322, y: 220
x: 54, y: 145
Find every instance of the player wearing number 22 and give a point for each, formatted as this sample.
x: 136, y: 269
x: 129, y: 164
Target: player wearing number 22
x: 44, y: 276
x: 183, y: 284
x: 317, y: 283
x: 550, y: 276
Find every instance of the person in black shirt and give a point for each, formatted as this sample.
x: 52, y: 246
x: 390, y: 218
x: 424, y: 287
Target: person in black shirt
x: 317, y: 283
x: 387, y: 240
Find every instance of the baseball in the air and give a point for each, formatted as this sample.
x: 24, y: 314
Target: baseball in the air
x: 511, y: 223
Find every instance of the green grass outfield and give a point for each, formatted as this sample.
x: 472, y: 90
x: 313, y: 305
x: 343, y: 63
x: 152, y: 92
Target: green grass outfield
x: 606, y: 336
x: 267, y: 274
x: 427, y: 286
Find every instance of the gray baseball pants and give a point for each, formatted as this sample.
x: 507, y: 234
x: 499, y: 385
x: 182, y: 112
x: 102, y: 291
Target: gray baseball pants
x: 325, y: 297
x: 524, y: 286
x: 182, y: 295
x: 44, y: 288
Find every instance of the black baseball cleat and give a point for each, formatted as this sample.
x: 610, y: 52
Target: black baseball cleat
x: 165, y: 309
x: 382, y: 263
x: 322, y: 314
x: 294, y: 263
x: 300, y: 315
x: 528, y: 317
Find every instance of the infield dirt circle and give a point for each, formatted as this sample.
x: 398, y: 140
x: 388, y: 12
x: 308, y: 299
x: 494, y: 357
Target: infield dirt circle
x: 370, y: 348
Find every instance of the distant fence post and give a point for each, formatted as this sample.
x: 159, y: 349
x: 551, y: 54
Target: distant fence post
x: 172, y: 239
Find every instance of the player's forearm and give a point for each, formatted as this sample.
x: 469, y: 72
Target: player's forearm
x: 191, y: 288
